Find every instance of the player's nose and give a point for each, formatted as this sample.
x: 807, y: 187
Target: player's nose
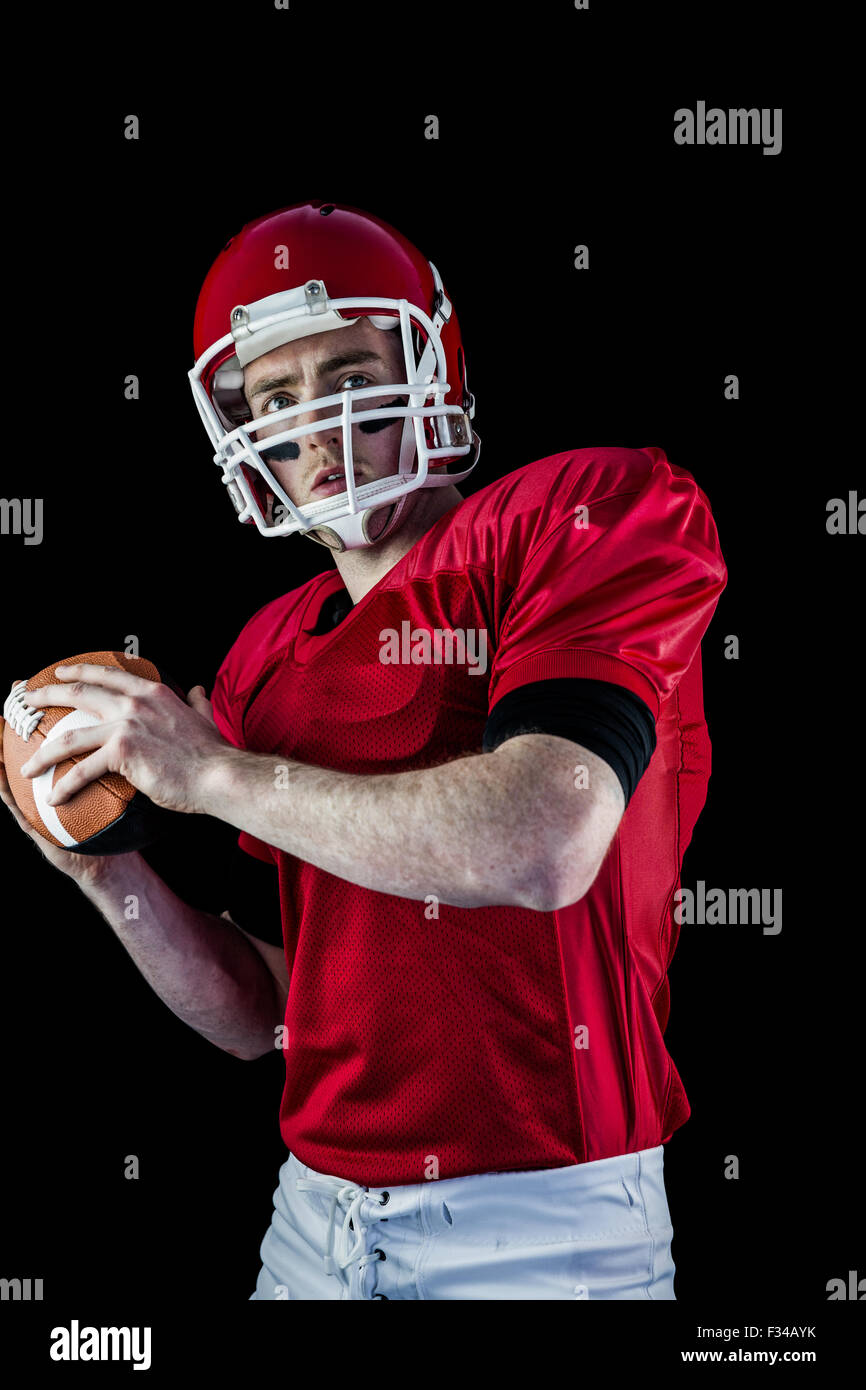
x: 325, y: 424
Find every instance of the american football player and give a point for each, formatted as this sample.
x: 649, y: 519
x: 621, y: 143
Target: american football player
x: 464, y: 762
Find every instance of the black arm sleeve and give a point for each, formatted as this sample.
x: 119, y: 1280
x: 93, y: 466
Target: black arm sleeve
x: 607, y: 719
x: 254, y: 897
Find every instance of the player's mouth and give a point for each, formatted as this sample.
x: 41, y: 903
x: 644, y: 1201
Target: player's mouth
x: 329, y: 481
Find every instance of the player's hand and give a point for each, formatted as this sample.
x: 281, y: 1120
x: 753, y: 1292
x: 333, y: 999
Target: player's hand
x: 160, y: 744
x: 84, y: 868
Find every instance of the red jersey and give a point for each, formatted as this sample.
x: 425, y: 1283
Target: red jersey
x: 492, y: 1038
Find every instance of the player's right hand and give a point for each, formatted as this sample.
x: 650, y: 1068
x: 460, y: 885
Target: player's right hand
x: 84, y: 868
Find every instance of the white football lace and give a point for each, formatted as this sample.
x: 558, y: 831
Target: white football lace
x: 348, y: 1251
x: 23, y: 717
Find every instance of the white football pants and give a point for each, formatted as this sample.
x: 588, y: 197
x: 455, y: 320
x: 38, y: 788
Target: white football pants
x: 588, y: 1231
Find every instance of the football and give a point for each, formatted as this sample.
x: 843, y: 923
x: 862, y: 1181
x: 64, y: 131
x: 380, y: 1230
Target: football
x: 108, y: 816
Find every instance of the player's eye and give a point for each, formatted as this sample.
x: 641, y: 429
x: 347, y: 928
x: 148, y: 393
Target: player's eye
x: 275, y: 403
x: 358, y: 378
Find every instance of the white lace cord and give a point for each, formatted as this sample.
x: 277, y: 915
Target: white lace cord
x: 357, y: 1194
x: 16, y: 711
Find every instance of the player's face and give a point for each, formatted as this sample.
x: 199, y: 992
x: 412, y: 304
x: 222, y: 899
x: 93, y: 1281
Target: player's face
x: 355, y: 356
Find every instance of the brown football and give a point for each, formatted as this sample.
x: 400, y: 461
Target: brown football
x: 108, y: 816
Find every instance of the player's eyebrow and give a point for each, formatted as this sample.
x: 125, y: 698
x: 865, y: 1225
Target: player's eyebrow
x: 331, y: 364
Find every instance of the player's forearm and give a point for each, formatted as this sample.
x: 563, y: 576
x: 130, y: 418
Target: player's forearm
x: 470, y: 832
x: 200, y: 965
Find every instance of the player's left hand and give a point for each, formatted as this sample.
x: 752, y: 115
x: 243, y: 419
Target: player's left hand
x: 146, y: 734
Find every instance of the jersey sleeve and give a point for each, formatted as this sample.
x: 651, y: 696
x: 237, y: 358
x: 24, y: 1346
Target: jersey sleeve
x: 609, y: 720
x: 619, y: 588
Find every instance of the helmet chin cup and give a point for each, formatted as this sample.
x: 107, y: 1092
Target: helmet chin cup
x: 353, y: 532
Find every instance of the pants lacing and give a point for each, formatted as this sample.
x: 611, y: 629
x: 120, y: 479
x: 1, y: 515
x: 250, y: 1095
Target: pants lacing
x: 351, y: 1236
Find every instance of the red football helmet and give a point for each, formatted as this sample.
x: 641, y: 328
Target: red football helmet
x: 313, y: 268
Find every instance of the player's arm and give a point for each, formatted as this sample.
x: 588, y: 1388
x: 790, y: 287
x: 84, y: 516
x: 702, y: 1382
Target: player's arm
x: 203, y: 967
x: 517, y: 826
x: 527, y: 822
x: 275, y: 960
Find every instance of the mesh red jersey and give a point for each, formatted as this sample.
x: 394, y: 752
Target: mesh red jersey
x: 492, y: 1038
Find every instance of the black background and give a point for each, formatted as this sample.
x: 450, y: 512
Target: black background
x: 556, y: 128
